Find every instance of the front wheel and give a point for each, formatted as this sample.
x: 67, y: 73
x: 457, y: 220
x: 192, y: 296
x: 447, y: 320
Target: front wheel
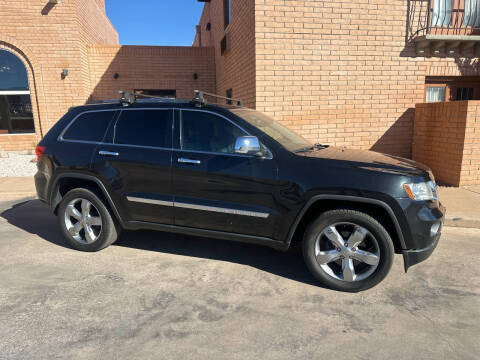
x: 86, y: 222
x: 348, y: 250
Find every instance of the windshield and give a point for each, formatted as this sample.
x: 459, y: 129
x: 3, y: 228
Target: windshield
x: 286, y: 137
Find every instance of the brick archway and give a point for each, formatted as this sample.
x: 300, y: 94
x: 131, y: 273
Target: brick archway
x: 20, y: 50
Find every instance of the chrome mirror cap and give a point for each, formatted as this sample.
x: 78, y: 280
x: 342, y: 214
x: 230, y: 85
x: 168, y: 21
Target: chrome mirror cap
x: 248, y: 145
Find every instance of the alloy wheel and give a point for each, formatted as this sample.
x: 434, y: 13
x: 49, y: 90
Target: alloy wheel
x: 347, y: 251
x: 83, y: 221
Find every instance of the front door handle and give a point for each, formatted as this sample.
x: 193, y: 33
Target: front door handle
x: 188, y: 161
x: 108, y: 153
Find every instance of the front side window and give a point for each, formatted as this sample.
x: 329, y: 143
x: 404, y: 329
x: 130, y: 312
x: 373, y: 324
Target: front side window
x: 149, y: 128
x: 284, y: 136
x: 16, y: 114
x: 202, y: 131
x: 472, y: 13
x: 442, y: 12
x: 89, y: 126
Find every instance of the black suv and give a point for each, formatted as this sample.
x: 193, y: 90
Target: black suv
x: 233, y: 173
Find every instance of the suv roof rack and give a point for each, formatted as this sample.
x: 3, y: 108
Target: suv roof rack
x: 128, y: 98
x: 200, y: 101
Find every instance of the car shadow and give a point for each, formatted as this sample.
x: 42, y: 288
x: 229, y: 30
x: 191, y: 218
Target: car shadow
x: 32, y: 216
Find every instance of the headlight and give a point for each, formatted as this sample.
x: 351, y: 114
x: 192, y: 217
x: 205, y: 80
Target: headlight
x: 421, y: 191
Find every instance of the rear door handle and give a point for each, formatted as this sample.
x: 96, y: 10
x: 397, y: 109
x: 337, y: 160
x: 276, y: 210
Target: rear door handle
x: 188, y: 161
x: 108, y: 153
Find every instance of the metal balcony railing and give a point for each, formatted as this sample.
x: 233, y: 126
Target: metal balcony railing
x: 447, y: 18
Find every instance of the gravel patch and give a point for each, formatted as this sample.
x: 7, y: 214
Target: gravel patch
x: 17, y: 165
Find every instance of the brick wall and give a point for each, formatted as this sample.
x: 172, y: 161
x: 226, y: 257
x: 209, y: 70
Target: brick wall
x: 339, y: 72
x: 236, y: 68
x: 471, y: 152
x: 150, y: 67
x: 446, y: 138
x: 49, y: 38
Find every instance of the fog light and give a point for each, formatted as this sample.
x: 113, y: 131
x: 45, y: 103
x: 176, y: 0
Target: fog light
x: 435, y: 229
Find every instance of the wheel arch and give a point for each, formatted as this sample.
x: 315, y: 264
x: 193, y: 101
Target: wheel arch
x: 378, y: 209
x: 69, y: 181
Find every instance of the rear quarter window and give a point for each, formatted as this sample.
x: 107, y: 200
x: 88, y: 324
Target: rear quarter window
x: 89, y: 126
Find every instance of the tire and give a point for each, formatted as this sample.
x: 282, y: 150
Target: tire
x: 331, y: 262
x: 75, y: 221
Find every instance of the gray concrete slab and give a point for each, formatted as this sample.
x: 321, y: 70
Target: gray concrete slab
x: 156, y: 295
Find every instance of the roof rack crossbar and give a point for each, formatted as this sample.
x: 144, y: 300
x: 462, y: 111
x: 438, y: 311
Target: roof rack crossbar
x: 128, y: 98
x: 200, y: 98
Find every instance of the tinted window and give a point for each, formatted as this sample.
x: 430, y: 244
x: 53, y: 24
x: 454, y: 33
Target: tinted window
x: 204, y: 131
x: 286, y: 137
x: 89, y: 126
x: 144, y: 128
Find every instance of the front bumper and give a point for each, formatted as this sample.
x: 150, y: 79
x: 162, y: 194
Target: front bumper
x: 426, y: 228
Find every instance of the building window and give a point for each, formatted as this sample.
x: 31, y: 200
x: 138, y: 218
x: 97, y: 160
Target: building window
x: 472, y: 13
x: 229, y: 94
x: 435, y: 94
x: 442, y: 12
x: 16, y: 114
x: 228, y: 11
x: 464, y: 93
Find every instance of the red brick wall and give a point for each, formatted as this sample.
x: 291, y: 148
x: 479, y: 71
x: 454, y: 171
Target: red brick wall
x: 438, y: 137
x: 471, y: 151
x: 235, y: 69
x: 49, y: 38
x: 446, y: 138
x: 339, y: 72
x: 150, y: 67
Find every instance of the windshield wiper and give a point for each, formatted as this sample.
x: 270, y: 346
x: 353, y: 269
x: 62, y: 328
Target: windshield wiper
x: 316, y: 146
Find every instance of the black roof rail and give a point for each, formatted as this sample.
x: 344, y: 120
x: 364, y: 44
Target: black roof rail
x: 200, y: 101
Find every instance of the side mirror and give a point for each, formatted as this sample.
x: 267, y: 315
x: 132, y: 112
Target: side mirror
x: 248, y: 145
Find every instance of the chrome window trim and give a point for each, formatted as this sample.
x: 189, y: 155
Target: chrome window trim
x: 219, y: 115
x: 183, y: 205
x: 60, y: 137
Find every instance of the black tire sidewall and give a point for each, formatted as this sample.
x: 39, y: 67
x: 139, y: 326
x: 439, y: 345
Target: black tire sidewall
x: 376, y: 229
x: 109, y: 231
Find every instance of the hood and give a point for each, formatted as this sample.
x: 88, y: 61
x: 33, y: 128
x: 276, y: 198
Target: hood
x: 370, y: 160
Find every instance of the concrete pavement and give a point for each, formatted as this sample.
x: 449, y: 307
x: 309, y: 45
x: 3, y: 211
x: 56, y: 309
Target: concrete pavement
x: 463, y: 204
x: 155, y: 295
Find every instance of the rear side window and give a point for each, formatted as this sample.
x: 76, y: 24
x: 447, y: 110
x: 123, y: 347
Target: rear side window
x: 144, y: 128
x: 89, y: 126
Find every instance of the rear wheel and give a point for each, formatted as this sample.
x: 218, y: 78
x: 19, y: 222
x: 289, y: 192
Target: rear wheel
x: 348, y: 250
x: 86, y: 222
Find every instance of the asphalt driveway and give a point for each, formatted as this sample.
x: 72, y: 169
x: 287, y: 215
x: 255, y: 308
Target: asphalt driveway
x: 155, y: 295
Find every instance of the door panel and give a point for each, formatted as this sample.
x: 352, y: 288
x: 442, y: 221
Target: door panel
x: 221, y: 191
x: 139, y: 173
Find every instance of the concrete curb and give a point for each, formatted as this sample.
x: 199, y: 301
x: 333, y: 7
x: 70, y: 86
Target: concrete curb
x: 463, y: 223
